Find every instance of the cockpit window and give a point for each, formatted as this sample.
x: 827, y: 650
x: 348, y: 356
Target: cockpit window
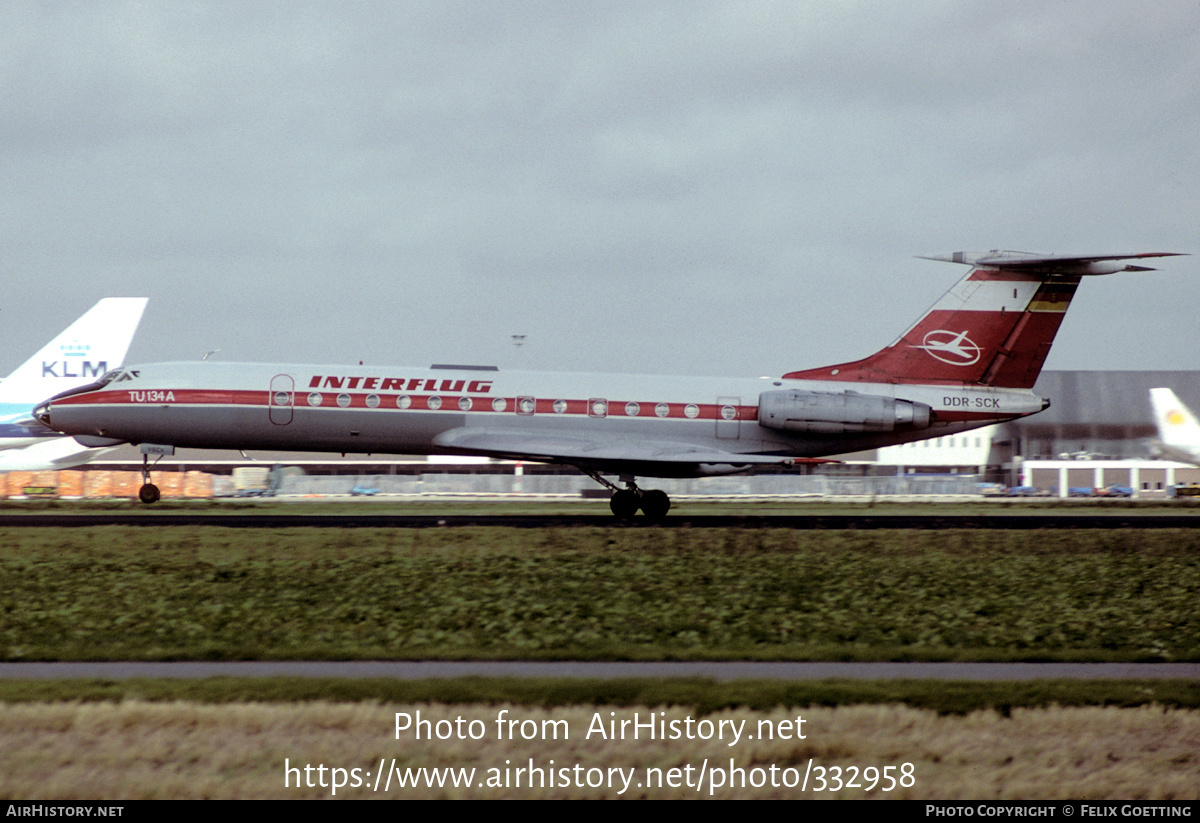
x: 116, y: 376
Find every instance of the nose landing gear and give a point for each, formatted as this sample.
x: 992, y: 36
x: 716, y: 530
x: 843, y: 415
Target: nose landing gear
x: 149, y: 492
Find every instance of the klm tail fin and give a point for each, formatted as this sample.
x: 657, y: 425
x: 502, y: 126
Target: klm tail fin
x: 86, y: 349
x: 993, y: 328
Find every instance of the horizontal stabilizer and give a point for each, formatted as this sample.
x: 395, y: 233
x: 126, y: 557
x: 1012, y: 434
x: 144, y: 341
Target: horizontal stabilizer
x: 1057, y: 263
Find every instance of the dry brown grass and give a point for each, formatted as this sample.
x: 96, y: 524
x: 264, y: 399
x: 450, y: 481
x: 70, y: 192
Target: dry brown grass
x: 134, y: 750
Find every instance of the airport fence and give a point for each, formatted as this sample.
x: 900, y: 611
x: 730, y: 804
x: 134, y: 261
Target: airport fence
x: 100, y: 484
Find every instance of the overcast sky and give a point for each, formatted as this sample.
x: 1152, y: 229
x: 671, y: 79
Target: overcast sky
x: 708, y: 188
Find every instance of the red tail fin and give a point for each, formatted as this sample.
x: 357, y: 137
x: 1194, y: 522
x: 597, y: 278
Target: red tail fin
x: 994, y: 328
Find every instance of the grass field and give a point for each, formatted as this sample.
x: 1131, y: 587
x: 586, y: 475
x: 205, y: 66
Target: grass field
x: 109, y: 593
x: 211, y: 593
x: 134, y: 749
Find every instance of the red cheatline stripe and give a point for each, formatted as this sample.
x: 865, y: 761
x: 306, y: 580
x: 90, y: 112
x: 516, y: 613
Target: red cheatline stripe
x: 419, y: 402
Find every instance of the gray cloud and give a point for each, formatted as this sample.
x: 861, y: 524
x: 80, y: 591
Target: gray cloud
x: 673, y: 187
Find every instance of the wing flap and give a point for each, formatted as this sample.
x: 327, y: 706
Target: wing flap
x: 582, y: 451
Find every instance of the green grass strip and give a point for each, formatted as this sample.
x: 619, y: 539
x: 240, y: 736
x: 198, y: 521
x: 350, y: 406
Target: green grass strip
x: 599, y: 594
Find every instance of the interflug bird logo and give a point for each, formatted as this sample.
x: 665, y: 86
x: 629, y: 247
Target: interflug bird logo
x: 950, y: 347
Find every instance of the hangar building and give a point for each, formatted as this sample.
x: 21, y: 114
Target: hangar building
x: 1099, y: 429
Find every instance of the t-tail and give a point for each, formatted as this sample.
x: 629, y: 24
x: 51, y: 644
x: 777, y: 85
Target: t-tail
x: 993, y: 328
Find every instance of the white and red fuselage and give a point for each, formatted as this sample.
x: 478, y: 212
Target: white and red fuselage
x: 971, y: 360
x: 437, y: 411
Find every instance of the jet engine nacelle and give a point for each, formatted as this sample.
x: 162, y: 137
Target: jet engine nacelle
x: 796, y: 410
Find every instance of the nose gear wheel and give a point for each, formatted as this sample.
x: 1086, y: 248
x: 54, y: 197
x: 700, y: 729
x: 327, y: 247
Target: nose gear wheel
x: 149, y: 492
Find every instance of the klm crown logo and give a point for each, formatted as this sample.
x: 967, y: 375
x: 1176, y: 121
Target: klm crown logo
x: 71, y: 365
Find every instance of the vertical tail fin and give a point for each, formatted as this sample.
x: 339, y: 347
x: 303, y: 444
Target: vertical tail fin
x: 1177, y: 426
x: 993, y: 328
x: 90, y: 346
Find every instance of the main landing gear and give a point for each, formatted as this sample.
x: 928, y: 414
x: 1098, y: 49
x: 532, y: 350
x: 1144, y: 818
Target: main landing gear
x: 625, y: 502
x: 148, y: 493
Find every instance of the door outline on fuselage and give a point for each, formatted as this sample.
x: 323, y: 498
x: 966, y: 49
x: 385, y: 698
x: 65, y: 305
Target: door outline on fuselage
x: 729, y: 428
x: 281, y: 399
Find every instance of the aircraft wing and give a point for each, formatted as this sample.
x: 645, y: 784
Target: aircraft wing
x: 49, y: 455
x: 671, y: 458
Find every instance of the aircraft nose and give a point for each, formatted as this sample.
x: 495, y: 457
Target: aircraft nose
x: 42, y: 410
x: 41, y: 413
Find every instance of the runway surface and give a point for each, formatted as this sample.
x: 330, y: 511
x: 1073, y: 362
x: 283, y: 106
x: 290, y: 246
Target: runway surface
x: 422, y: 670
x: 1114, y: 519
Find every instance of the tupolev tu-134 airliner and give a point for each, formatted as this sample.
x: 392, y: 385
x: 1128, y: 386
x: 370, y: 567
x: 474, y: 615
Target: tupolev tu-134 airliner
x: 970, y: 361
